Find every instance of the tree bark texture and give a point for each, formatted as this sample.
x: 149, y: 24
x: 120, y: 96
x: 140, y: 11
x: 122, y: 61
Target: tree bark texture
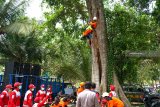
x: 99, y: 45
x: 120, y: 92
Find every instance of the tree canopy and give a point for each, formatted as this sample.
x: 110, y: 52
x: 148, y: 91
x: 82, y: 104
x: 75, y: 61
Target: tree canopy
x: 55, y: 43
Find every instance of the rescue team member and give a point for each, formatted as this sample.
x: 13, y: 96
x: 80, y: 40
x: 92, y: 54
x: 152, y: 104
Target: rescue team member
x: 94, y: 90
x: 56, y: 102
x: 4, y: 96
x: 50, y: 96
x: 41, y: 93
x: 112, y: 92
x: 15, y: 96
x: 111, y: 101
x: 81, y: 88
x: 64, y: 102
x: 29, y: 96
x: 41, y: 103
x: 88, y: 32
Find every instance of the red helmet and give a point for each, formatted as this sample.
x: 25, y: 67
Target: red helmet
x: 16, y: 84
x: 112, y: 87
x: 31, y: 86
x: 42, y: 86
x: 9, y: 86
x: 36, y: 100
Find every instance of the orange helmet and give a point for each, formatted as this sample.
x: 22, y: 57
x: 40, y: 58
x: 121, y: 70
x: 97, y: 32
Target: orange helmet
x: 82, y: 84
x: 31, y: 86
x: 16, y: 84
x: 9, y: 86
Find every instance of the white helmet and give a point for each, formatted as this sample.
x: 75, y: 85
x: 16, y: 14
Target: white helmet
x: 94, y: 18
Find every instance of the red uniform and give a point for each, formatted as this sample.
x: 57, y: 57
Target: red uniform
x: 41, y: 103
x: 4, y: 97
x: 112, y: 94
x: 14, y: 98
x: 104, y: 103
x: 49, y: 90
x: 41, y: 94
x: 28, y: 99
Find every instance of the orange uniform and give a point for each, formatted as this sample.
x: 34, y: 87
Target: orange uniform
x: 89, y: 29
x: 115, y: 102
x: 63, y: 103
x: 80, y: 89
x: 56, y: 105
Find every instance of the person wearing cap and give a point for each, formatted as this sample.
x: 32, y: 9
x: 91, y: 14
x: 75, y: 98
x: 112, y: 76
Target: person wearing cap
x: 41, y: 93
x: 87, y: 34
x: 29, y: 96
x: 111, y: 101
x: 81, y: 88
x: 39, y: 102
x: 49, y: 90
x: 112, y: 92
x: 15, y: 96
x: 87, y: 98
x: 4, y: 96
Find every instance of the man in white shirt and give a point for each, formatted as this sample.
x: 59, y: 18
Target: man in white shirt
x: 87, y: 98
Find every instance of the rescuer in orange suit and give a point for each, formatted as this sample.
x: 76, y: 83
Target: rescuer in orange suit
x: 81, y: 88
x: 87, y: 34
x: 64, y: 102
x: 56, y: 102
x: 111, y: 101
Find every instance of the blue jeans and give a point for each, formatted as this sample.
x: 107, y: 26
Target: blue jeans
x: 89, y: 36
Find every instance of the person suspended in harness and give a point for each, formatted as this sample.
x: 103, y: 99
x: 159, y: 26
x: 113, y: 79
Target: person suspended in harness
x: 87, y: 34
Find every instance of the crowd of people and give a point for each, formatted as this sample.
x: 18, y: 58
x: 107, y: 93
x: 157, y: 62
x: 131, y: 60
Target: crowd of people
x: 87, y: 96
x: 11, y: 97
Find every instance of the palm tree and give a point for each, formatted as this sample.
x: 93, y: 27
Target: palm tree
x: 9, y: 12
x: 17, y: 38
x: 21, y: 48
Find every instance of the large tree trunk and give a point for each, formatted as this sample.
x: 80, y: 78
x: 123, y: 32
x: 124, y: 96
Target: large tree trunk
x: 99, y: 45
x: 120, y: 92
